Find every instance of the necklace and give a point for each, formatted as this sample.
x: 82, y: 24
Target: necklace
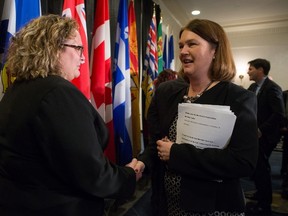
x: 192, y: 99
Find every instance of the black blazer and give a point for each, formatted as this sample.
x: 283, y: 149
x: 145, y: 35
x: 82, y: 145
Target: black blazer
x: 198, y: 168
x: 51, y: 152
x: 285, y: 99
x: 270, y: 113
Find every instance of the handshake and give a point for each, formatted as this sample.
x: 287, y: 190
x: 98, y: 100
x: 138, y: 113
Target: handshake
x: 138, y: 167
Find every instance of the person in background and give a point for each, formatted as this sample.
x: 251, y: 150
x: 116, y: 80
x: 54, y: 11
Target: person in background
x: 284, y: 132
x: 270, y: 115
x: 51, y: 137
x: 165, y: 75
x: 186, y: 180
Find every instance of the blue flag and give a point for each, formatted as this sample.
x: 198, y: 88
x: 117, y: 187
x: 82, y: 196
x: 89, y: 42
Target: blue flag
x: 121, y: 89
x: 16, y: 13
x: 171, y: 63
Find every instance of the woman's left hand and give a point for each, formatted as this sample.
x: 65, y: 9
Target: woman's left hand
x: 163, y: 147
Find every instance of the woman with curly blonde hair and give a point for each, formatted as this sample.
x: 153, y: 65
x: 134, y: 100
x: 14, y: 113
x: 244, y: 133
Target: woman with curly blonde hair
x: 51, y: 137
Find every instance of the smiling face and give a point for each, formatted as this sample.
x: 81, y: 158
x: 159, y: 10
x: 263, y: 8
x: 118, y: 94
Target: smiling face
x: 71, y: 57
x: 196, y: 54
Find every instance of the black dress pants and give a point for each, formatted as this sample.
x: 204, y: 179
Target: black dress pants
x: 284, y: 168
x: 262, y: 174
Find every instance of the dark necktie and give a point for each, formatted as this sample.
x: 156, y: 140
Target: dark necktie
x: 257, y: 88
x: 254, y: 88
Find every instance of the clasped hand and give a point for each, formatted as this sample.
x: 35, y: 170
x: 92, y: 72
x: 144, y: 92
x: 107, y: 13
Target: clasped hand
x: 163, y: 147
x: 138, y: 167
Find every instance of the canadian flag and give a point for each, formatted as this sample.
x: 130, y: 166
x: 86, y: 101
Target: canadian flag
x: 101, y: 77
x: 76, y: 10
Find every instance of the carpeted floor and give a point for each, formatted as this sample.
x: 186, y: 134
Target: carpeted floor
x: 279, y: 205
x: 136, y: 205
x: 139, y: 205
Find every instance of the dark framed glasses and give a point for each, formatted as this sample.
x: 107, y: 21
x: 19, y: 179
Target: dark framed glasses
x: 79, y: 49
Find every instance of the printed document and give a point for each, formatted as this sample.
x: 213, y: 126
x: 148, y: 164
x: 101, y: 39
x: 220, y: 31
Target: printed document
x: 204, y: 126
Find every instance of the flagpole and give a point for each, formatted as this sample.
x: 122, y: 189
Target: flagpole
x: 140, y: 76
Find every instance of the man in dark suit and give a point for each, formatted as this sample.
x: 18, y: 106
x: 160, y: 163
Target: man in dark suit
x: 284, y: 131
x: 270, y: 115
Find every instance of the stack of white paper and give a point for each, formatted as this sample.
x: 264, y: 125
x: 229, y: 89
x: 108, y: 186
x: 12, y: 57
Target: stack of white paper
x: 204, y: 126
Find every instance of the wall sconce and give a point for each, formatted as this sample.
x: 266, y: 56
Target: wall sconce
x: 241, y: 76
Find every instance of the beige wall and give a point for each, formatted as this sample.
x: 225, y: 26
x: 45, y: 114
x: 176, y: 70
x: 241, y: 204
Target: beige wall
x: 267, y: 40
x: 269, y: 43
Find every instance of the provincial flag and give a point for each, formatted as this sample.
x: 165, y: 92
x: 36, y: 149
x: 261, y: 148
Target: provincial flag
x: 101, y: 77
x: 150, y: 64
x: 121, y: 88
x: 16, y: 13
x: 171, y: 62
x: 134, y: 71
x: 160, y: 47
x: 76, y: 10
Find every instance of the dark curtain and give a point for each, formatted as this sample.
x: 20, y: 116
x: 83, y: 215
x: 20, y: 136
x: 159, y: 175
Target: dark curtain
x: 1, y: 7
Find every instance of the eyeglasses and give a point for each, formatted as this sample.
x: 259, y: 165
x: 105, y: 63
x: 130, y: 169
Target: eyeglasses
x: 77, y: 48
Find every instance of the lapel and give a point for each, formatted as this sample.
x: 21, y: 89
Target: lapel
x: 175, y: 92
x: 253, y: 87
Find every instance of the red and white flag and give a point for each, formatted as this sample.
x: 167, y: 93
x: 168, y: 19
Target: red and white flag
x: 101, y: 77
x: 76, y: 10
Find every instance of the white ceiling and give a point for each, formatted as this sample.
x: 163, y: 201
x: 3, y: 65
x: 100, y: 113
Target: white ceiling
x: 228, y: 13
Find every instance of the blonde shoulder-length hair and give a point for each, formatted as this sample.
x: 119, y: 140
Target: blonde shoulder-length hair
x: 34, y: 50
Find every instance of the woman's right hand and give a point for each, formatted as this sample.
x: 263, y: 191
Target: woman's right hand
x: 139, y: 167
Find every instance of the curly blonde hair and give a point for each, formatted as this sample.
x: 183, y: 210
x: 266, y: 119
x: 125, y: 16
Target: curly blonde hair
x: 223, y: 66
x: 34, y: 50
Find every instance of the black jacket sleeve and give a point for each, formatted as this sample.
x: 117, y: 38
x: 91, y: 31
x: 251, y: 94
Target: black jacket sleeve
x: 72, y: 137
x: 238, y: 159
